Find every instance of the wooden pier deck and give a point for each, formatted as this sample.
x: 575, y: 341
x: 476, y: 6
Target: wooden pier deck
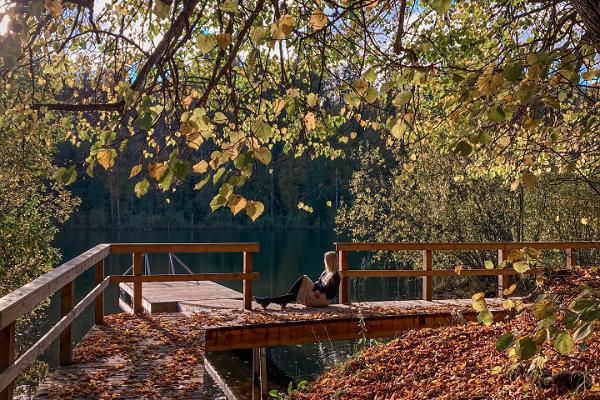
x: 161, y: 355
x: 189, y: 296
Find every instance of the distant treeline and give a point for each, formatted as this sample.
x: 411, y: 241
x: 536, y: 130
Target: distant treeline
x: 108, y: 200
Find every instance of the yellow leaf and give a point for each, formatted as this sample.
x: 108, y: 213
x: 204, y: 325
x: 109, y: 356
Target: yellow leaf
x: 489, y: 82
x: 203, y: 182
x: 278, y: 106
x: 200, y: 167
x: 458, y: 268
x: 488, y: 264
x: 318, y: 19
x: 509, y: 290
x: 106, y: 157
x: 310, y: 121
x: 157, y: 170
x: 263, y: 155
x: 135, y: 170
x: 254, y: 209
x: 478, y: 296
x: 521, y: 267
x: 237, y: 204
x: 328, y: 203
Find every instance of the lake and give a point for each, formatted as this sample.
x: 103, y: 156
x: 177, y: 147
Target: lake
x: 284, y: 255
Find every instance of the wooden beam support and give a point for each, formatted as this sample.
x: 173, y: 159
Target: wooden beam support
x: 247, y: 282
x: 427, y: 280
x: 67, y: 300
x: 259, y: 373
x: 210, y: 276
x: 344, y: 284
x: 7, y: 357
x: 137, y: 286
x: 503, y: 280
x: 571, y: 257
x: 300, y: 332
x: 99, y: 302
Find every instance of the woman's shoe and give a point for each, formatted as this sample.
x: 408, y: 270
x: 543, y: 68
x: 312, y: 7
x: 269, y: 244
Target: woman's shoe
x: 263, y: 301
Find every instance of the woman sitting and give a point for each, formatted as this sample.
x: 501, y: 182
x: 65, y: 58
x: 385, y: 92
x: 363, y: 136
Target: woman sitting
x: 304, y: 291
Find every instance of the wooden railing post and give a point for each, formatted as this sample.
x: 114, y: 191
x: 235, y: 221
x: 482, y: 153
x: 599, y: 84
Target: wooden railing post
x: 66, y: 337
x: 7, y: 356
x: 344, y: 293
x: 137, y: 286
x: 502, y: 279
x: 427, y: 280
x: 571, y: 258
x: 99, y: 303
x: 247, y: 282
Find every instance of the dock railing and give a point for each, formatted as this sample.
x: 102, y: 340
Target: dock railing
x: 62, y: 278
x: 427, y: 272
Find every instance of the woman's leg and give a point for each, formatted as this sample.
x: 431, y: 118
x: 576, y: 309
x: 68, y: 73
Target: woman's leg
x: 290, y: 297
x: 296, y: 286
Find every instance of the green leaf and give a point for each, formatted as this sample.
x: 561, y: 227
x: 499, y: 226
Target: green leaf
x: 583, y: 331
x: 141, y: 188
x: 529, y: 179
x: 230, y: 6
x: 543, y: 309
x: 220, y: 118
x: 488, y: 264
x: 525, y: 348
x: 66, y: 175
x: 463, y: 148
x: 563, y: 343
x: 496, y: 114
x: 206, y: 43
x: 203, y: 182
x: 581, y: 305
x: 254, y: 209
x: 513, y: 72
x: 485, y: 317
x: 402, y: 98
x: 503, y: 342
x: 521, y: 267
x: 217, y: 202
x: 218, y: 175
x: 440, y: 6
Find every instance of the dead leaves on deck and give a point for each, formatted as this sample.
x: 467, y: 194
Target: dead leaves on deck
x: 151, y: 356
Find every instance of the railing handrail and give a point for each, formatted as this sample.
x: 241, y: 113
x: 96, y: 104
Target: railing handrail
x: 395, y: 246
x: 30, y: 295
x: 427, y: 272
x: 124, y: 248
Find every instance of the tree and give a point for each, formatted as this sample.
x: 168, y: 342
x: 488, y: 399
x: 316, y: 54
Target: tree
x: 215, y: 85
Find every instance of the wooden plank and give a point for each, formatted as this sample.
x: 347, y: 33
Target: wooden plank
x: 218, y: 276
x: 121, y: 248
x: 7, y: 357
x: 67, y: 299
x: 25, y: 360
x: 502, y: 279
x: 427, y: 280
x: 344, y: 284
x: 372, y: 246
x: 99, y: 303
x: 388, y: 273
x: 310, y: 331
x: 247, y: 282
x: 28, y: 296
x: 137, y: 286
x: 571, y: 257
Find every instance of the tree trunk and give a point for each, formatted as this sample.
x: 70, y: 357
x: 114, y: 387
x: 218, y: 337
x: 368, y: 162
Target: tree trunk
x: 589, y: 12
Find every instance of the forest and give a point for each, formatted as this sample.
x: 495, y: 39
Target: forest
x: 375, y: 121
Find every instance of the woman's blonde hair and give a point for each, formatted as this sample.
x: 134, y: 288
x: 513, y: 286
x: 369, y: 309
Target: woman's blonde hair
x: 330, y: 259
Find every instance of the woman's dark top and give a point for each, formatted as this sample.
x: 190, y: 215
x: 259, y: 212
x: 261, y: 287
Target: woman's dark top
x: 331, y: 288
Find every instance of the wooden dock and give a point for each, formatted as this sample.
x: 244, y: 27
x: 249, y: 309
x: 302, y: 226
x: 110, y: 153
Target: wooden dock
x: 172, y: 297
x: 150, y: 355
x: 162, y: 355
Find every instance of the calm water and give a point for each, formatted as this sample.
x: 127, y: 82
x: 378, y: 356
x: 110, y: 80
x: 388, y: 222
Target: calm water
x: 284, y: 255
